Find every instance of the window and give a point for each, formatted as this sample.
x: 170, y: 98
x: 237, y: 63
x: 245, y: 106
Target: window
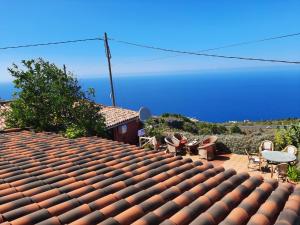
x: 123, y: 129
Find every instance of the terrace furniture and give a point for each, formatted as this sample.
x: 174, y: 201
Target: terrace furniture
x: 152, y: 141
x: 277, y: 157
x: 192, y: 146
x: 266, y: 145
x: 282, y: 170
x: 291, y: 149
x: 207, y: 148
x: 253, y: 160
x: 173, y: 145
x: 182, y: 139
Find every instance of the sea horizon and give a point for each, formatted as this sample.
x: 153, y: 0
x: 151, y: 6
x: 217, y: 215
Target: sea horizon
x: 212, y: 96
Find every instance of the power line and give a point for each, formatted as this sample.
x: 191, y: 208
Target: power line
x: 175, y: 51
x: 51, y: 43
x: 228, y: 46
x: 250, y: 42
x: 97, y: 38
x: 204, y: 54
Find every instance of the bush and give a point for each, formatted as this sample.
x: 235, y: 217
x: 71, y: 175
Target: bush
x: 288, y: 136
x: 293, y: 173
x: 190, y: 127
x: 177, y: 116
x: 48, y: 99
x: 209, y: 128
x: 235, y: 130
x: 153, y: 128
x: 174, y: 123
x: 179, y: 122
x: 237, y: 143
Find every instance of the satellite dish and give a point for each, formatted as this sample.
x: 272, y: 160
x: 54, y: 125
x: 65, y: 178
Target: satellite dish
x: 144, y: 114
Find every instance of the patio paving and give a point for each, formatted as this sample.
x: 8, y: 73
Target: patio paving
x: 234, y: 161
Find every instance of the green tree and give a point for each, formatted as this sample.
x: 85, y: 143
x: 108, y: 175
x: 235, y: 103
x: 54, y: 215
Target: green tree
x: 48, y: 99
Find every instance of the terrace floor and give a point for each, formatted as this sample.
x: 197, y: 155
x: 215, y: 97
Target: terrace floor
x: 236, y: 162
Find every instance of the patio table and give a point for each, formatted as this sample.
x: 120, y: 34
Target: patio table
x: 278, y: 157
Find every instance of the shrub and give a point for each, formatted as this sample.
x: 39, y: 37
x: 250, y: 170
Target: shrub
x: 237, y: 143
x: 153, y: 128
x: 178, y: 116
x: 235, y: 130
x: 178, y: 122
x: 174, y: 123
x: 48, y: 99
x: 293, y: 173
x: 288, y: 136
x: 190, y: 127
x: 218, y: 129
x: 209, y: 128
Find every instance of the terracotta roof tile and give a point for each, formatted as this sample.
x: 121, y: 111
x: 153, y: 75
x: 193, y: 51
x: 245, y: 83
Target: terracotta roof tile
x: 46, y: 179
x: 115, y: 116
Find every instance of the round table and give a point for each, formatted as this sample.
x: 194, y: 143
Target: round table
x: 278, y: 157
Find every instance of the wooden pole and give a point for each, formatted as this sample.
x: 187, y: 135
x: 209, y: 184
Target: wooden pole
x: 108, y: 55
x: 65, y: 69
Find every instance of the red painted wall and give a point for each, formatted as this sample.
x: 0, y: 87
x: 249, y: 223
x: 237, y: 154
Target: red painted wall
x: 130, y: 136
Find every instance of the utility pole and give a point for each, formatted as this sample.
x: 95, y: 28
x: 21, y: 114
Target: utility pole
x: 108, y: 55
x: 65, y: 69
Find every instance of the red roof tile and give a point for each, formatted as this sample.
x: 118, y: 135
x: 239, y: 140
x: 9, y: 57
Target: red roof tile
x: 115, y: 116
x: 46, y: 179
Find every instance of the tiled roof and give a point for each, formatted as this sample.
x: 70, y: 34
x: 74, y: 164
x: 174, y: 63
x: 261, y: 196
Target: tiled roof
x: 115, y: 116
x: 47, y: 179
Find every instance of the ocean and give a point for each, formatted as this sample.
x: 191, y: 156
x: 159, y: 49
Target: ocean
x: 213, y: 97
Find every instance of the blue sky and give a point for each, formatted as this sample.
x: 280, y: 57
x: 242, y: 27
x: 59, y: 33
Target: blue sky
x: 184, y: 25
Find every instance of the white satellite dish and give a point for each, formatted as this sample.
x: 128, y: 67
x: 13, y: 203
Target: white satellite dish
x: 144, y: 114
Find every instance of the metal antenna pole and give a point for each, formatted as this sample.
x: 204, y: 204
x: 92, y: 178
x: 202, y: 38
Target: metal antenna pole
x: 108, y: 55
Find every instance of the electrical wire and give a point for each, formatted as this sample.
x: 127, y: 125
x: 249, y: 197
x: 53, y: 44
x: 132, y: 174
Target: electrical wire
x: 203, y: 54
x: 175, y: 51
x: 226, y: 46
x: 51, y: 43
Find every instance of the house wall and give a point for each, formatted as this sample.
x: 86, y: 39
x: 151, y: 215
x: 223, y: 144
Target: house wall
x: 130, y: 136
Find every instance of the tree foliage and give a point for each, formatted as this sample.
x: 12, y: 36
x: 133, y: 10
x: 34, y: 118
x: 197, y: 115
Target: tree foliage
x: 48, y: 99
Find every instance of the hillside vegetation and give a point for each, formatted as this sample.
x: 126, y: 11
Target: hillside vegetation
x: 231, y: 136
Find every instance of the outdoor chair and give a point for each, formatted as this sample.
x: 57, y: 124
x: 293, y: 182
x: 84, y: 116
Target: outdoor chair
x: 265, y: 145
x: 182, y: 139
x: 254, y: 160
x: 152, y: 141
x: 173, y: 145
x: 291, y: 149
x: 207, y: 148
x: 282, y: 170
